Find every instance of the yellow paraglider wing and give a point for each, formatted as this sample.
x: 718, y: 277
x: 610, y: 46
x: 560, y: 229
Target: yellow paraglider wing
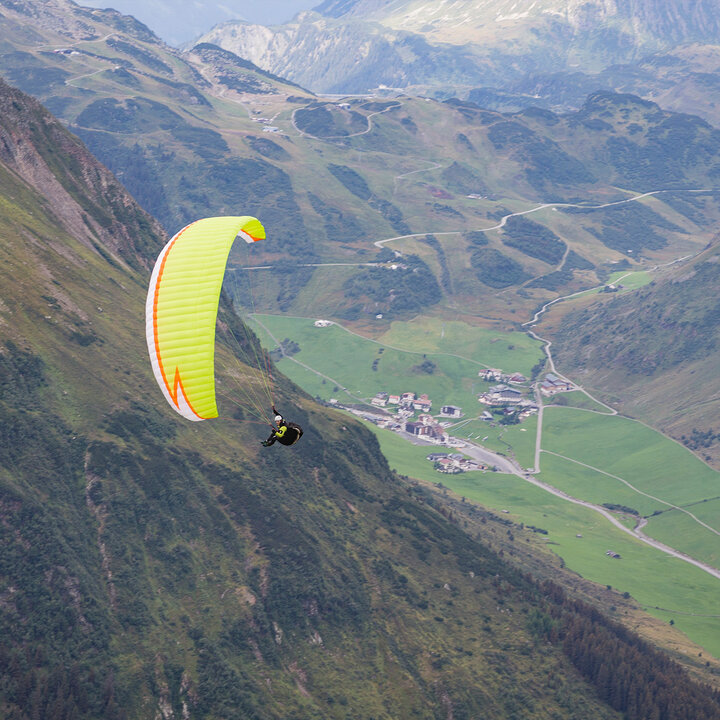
x: 181, y: 310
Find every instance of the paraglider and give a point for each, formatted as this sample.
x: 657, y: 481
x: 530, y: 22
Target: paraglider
x: 181, y: 311
x: 284, y: 432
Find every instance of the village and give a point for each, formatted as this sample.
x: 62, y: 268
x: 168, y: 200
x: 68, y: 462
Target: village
x: 509, y: 401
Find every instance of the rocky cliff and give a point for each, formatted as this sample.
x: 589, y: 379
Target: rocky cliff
x: 356, y: 46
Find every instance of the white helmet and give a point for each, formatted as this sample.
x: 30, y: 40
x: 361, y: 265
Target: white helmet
x: 278, y: 418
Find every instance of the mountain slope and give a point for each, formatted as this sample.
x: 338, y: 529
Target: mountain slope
x: 150, y: 567
x: 656, y: 351
x: 682, y: 79
x: 199, y: 132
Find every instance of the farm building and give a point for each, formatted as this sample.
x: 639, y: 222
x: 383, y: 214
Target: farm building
x: 553, y: 384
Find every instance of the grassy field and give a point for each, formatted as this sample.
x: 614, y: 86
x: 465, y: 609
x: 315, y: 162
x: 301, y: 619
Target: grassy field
x: 593, y: 486
x: 630, y: 280
x: 576, y: 399
x: 631, y: 450
x: 347, y: 361
x: 654, y: 580
x: 683, y: 532
x: 509, y: 351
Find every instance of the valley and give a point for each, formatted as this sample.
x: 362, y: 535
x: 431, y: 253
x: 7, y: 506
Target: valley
x: 584, y: 456
x: 458, y: 256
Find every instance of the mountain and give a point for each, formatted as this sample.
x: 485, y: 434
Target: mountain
x: 349, y: 56
x: 648, y: 21
x: 445, y: 48
x: 656, y: 351
x: 153, y: 568
x: 207, y: 132
x: 183, y: 21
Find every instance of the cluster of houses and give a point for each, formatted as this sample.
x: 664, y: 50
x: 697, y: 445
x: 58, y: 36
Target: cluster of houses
x: 454, y: 463
x: 495, y: 375
x: 512, y: 398
x: 426, y: 425
x: 505, y: 396
x: 408, y: 402
x: 509, y: 398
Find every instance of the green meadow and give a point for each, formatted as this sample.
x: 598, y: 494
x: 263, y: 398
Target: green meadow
x: 365, y: 367
x: 654, y: 579
x: 682, y: 532
x: 509, y: 351
x: 591, y: 485
x: 631, y: 280
x: 576, y: 399
x: 640, y: 455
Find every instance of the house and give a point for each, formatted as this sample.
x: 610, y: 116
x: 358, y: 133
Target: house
x: 433, y: 457
x: 486, y: 415
x: 437, y: 435
x: 517, y: 378
x: 426, y: 419
x: 501, y: 395
x: 380, y: 400
x: 456, y: 463
x: 323, y: 323
x: 491, y: 375
x: 446, y: 465
x: 451, y: 411
x: 407, y: 397
x: 527, y: 411
x: 417, y: 428
x: 509, y: 396
x: 422, y: 405
x: 394, y: 399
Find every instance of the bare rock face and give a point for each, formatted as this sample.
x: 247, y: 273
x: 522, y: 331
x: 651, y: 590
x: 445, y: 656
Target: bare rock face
x: 356, y: 45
